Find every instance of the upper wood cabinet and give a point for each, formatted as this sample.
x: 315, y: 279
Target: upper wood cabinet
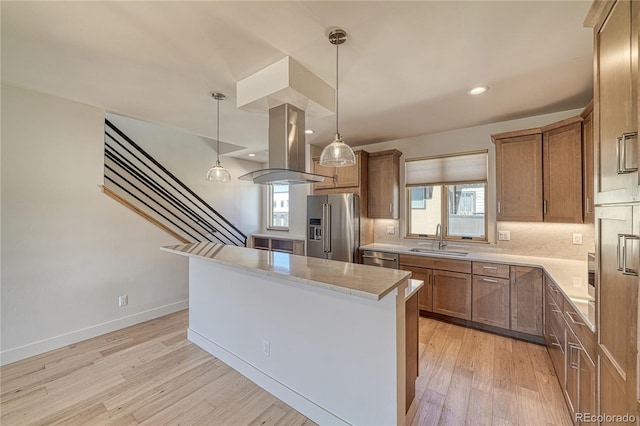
x: 519, y: 175
x: 587, y: 166
x: 384, y: 184
x: 344, y: 177
x: 562, y: 171
x: 616, y: 95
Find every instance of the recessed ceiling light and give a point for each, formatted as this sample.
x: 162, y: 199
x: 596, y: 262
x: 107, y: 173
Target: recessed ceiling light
x: 309, y: 132
x: 478, y: 90
x: 252, y: 155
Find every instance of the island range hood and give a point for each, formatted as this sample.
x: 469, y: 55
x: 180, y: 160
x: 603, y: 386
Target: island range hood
x: 287, y: 150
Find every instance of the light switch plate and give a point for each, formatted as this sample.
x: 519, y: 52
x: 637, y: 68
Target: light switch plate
x: 391, y: 230
x: 504, y: 235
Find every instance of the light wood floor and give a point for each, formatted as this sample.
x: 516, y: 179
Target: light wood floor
x: 150, y: 374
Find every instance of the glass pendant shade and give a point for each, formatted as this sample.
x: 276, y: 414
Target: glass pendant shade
x: 218, y: 174
x: 337, y: 154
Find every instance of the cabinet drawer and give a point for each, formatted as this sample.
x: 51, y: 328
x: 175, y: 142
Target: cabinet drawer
x: 491, y: 269
x: 463, y: 266
x: 580, y: 329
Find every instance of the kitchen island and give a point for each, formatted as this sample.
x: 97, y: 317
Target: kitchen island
x: 326, y: 337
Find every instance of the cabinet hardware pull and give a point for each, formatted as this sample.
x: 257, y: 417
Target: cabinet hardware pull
x: 489, y: 280
x: 552, y: 288
x: 366, y: 256
x: 557, y: 309
x: 498, y: 207
x: 622, y: 265
x: 544, y: 206
x: 621, y: 152
x: 587, y: 206
x: 490, y: 267
x: 570, y: 315
x: 390, y: 207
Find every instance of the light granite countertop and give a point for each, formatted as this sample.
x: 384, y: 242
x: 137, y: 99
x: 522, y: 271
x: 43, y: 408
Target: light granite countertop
x: 571, y: 276
x: 369, y: 282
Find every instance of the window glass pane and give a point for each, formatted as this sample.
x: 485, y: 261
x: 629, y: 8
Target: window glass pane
x: 426, y: 211
x: 466, y: 210
x: 280, y: 211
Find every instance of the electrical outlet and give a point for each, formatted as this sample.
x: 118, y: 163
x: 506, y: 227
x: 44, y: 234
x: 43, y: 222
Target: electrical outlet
x: 123, y: 300
x: 391, y: 230
x: 504, y: 235
x: 266, y: 348
x: 577, y: 239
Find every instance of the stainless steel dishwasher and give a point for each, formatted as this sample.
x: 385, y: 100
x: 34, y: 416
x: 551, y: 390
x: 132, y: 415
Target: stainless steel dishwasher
x: 380, y: 258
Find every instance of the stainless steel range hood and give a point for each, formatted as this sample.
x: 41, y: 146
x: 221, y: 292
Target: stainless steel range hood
x: 287, y: 150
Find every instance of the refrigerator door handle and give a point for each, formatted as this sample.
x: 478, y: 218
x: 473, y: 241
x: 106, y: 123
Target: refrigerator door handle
x: 326, y: 227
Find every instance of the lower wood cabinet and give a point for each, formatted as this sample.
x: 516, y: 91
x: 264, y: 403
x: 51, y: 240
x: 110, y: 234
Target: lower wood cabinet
x: 411, y: 332
x: 491, y: 301
x: 452, y: 294
x: 526, y: 300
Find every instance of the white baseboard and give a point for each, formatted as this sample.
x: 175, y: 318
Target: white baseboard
x: 36, y: 348
x: 308, y: 408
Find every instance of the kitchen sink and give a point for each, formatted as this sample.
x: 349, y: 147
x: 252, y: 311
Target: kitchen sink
x: 440, y: 252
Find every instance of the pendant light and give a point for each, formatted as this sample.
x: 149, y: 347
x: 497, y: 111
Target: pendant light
x: 337, y: 153
x: 218, y: 173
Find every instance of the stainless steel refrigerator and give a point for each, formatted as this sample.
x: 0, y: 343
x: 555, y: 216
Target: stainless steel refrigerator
x: 333, y: 226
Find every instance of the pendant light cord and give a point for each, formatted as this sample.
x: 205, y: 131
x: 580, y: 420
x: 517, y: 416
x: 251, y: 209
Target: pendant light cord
x: 218, y: 133
x: 337, y: 107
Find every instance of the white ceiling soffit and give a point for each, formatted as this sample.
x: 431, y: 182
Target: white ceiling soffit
x: 404, y: 71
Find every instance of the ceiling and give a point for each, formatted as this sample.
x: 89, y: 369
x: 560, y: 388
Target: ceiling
x: 404, y: 71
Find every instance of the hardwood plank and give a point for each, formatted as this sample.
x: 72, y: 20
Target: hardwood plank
x: 454, y: 410
x: 480, y: 408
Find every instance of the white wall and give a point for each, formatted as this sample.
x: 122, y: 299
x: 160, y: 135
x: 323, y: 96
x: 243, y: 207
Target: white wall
x: 67, y: 250
x: 189, y: 158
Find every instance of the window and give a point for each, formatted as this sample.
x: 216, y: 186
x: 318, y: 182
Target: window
x: 449, y: 191
x: 279, y: 211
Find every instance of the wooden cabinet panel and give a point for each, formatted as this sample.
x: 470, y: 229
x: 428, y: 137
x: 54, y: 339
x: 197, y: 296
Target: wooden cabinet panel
x: 526, y: 300
x: 384, y: 184
x: 614, y: 111
x: 425, y: 294
x: 587, y: 167
x: 587, y: 385
x: 499, y: 270
x: 519, y: 177
x: 452, y: 294
x: 348, y: 176
x: 562, y: 173
x: 436, y: 263
x: 411, y: 336
x: 325, y: 171
x: 490, y: 301
x: 572, y: 369
x: 617, y: 307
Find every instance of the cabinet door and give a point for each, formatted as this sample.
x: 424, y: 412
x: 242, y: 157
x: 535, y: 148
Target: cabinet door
x: 617, y: 308
x: 452, y: 294
x: 490, y: 301
x: 411, y: 333
x: 425, y: 294
x: 572, y: 369
x: 348, y: 176
x: 383, y: 185
x: 519, y: 178
x: 325, y: 171
x: 526, y: 300
x: 562, y: 161
x: 587, y: 385
x: 587, y: 167
x: 614, y: 100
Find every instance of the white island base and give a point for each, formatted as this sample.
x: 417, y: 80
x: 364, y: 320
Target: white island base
x: 337, y: 358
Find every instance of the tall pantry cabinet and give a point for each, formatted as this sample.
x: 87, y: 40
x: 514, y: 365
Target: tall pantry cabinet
x: 617, y: 203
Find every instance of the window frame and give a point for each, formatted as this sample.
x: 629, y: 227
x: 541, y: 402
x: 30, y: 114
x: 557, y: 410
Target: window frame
x: 270, y: 225
x: 444, y: 214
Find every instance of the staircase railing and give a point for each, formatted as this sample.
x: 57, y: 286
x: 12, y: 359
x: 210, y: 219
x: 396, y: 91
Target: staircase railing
x: 135, y: 178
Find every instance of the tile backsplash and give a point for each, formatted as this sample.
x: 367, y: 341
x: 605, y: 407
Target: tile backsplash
x: 527, y: 239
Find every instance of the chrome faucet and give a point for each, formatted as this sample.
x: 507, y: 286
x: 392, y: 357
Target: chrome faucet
x: 441, y: 243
